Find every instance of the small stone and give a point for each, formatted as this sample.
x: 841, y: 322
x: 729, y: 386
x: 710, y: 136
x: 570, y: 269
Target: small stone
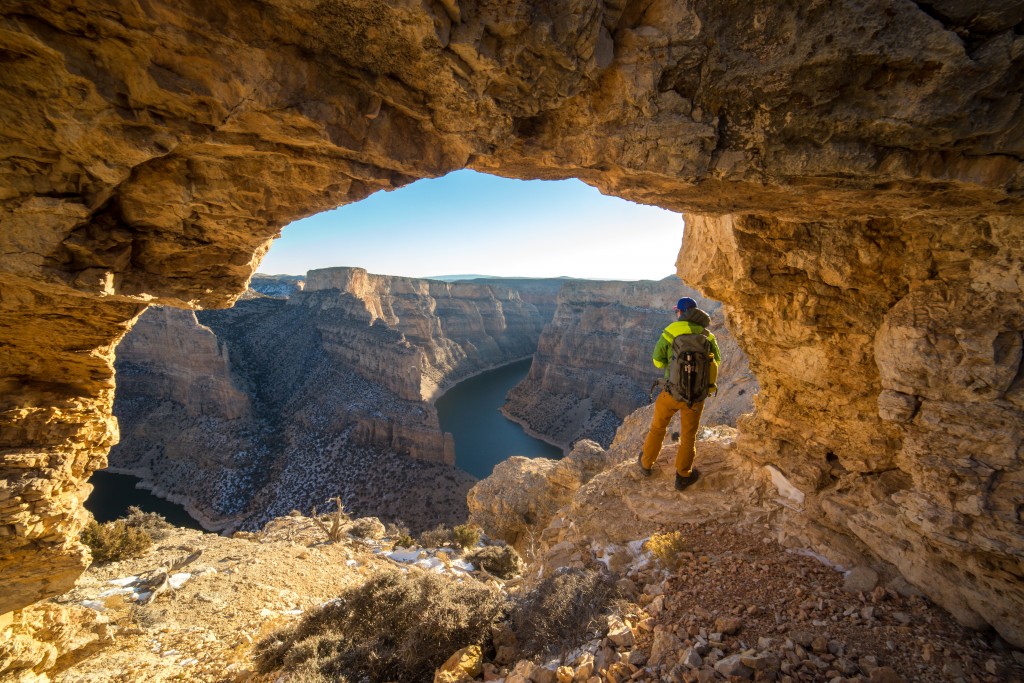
x: 860, y: 580
x: 867, y: 613
x: 732, y: 666
x: 544, y: 674
x: 952, y: 669
x: 506, y: 654
x: 820, y: 644
x: 802, y: 638
x: 462, y: 667
x: 867, y: 664
x: 728, y: 625
x: 760, y: 661
x: 885, y: 674
x: 902, y: 617
x: 691, y: 659
x: 663, y: 646
x: 619, y: 633
x: 584, y: 668
x: 491, y: 672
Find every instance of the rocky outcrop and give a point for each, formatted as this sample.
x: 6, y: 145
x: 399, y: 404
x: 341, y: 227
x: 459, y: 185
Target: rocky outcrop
x: 517, y: 500
x: 593, y: 364
x: 853, y: 170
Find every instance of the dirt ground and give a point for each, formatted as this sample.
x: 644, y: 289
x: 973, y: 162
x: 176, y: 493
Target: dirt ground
x: 735, y: 591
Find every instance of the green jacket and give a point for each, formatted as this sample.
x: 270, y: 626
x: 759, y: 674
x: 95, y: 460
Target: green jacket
x: 663, y: 349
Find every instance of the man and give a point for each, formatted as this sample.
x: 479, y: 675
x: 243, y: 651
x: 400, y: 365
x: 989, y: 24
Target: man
x: 689, y: 320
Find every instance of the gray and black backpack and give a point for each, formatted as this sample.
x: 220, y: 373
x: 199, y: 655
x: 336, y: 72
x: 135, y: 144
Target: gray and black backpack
x: 689, y: 374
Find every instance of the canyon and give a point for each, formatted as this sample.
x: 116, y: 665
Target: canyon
x: 850, y: 173
x: 337, y: 382
x: 282, y: 403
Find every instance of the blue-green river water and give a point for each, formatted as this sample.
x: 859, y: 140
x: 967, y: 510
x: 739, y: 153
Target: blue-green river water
x: 469, y: 411
x: 483, y: 436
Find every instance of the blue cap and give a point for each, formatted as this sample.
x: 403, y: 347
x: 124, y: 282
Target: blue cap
x: 685, y: 304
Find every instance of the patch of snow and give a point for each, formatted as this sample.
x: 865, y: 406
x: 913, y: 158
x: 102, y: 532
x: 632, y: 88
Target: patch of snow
x: 125, y: 581
x: 94, y: 604
x: 806, y: 552
x: 404, y: 555
x: 178, y: 580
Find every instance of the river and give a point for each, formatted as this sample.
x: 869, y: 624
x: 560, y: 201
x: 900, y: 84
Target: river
x: 483, y: 436
x: 115, y: 493
x: 470, y: 411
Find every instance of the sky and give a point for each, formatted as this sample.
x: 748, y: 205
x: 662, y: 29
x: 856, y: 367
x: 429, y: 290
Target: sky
x: 471, y: 223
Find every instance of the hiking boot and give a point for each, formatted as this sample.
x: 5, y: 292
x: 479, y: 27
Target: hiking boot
x: 683, y: 482
x: 640, y: 461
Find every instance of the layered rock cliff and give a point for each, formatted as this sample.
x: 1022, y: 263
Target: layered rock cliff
x: 453, y: 329
x: 593, y: 364
x: 338, y: 378
x: 853, y: 170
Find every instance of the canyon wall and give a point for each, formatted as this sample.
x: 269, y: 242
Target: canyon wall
x: 279, y: 286
x: 593, y: 364
x: 455, y: 329
x: 852, y: 171
x: 336, y: 386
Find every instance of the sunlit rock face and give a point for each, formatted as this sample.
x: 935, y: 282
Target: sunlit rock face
x: 593, y: 365
x: 418, y: 337
x: 856, y: 168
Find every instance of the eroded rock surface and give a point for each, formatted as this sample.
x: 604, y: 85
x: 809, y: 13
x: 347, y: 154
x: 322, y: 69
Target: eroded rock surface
x: 858, y: 166
x: 593, y: 364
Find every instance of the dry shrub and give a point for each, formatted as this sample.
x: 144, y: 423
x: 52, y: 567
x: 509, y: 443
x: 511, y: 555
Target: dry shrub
x: 339, y: 519
x: 669, y: 549
x: 436, y: 537
x: 397, y: 626
x: 152, y: 523
x: 466, y: 536
x: 501, y: 560
x: 115, y: 541
x: 556, y: 615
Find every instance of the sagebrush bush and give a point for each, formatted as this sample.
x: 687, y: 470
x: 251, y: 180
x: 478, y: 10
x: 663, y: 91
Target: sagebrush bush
x: 466, y: 536
x: 395, y: 627
x: 436, y: 537
x: 501, y: 560
x: 557, y: 613
x: 115, y: 541
x: 668, y: 548
x: 150, y: 522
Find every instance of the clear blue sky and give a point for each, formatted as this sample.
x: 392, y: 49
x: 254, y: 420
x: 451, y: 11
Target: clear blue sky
x: 468, y: 222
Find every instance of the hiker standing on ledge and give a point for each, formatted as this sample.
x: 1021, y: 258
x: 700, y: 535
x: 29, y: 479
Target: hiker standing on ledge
x: 690, y: 356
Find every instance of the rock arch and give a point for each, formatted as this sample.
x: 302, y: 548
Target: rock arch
x: 851, y: 173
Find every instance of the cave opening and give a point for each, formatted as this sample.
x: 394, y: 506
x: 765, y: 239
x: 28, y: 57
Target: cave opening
x: 521, y: 240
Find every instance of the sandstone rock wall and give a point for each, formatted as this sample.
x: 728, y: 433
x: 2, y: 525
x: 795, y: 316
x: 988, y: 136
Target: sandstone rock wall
x: 593, y: 364
x: 169, y: 356
x: 151, y: 150
x: 902, y: 418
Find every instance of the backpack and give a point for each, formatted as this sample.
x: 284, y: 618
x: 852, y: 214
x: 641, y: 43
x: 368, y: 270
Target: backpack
x: 689, y: 377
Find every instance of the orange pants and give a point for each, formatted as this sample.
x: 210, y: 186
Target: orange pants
x: 689, y: 418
